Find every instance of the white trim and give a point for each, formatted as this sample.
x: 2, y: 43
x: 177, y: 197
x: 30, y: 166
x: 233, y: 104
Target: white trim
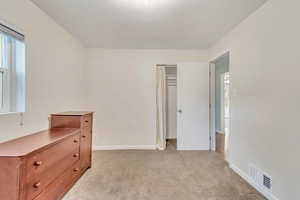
x: 1, y: 88
x: 125, y: 147
x: 220, y: 132
x: 12, y: 26
x: 228, y: 135
x: 6, y: 91
x: 225, y: 52
x: 192, y: 148
x: 212, y: 107
x: 246, y: 177
x: 11, y: 113
x: 222, y: 106
x: 159, y: 148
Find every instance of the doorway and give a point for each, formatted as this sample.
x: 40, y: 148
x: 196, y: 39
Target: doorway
x: 166, y: 106
x: 182, y: 98
x: 220, y: 104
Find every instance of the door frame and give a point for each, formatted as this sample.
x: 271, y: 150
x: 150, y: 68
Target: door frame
x: 213, y: 105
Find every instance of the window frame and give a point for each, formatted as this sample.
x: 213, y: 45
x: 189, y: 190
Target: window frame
x: 6, y: 67
x: 1, y: 88
x: 4, y: 108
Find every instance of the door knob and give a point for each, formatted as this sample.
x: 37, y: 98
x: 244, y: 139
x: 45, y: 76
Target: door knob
x: 179, y: 111
x: 37, y: 185
x: 38, y: 163
x: 76, y: 155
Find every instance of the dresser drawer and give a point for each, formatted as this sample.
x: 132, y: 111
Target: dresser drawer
x: 86, y: 131
x: 45, y: 160
x: 62, y: 184
x: 36, y: 184
x: 44, y: 167
x: 85, y: 151
x: 86, y: 121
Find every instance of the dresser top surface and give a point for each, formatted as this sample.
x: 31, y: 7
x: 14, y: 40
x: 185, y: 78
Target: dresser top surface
x: 31, y: 143
x: 73, y: 113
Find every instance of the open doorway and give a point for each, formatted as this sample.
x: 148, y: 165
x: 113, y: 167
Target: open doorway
x: 220, y: 104
x: 167, y: 106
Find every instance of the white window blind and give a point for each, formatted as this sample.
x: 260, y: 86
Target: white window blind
x: 12, y: 70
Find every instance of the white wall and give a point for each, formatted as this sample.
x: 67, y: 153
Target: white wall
x: 121, y: 89
x: 54, y: 64
x: 120, y: 86
x: 265, y: 73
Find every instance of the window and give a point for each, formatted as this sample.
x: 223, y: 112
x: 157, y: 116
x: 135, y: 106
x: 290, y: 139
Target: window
x: 12, y: 71
x: 1, y: 87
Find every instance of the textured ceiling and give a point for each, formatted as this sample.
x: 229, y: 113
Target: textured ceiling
x: 149, y: 24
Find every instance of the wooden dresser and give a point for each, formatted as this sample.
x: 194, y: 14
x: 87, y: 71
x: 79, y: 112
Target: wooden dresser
x: 45, y: 165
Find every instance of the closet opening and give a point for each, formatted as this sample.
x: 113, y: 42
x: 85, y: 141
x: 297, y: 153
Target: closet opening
x: 167, y: 107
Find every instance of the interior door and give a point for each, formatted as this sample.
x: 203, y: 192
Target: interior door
x: 172, y: 110
x: 193, y: 106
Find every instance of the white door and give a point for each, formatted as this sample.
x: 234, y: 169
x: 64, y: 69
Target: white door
x: 172, y: 112
x: 193, y: 106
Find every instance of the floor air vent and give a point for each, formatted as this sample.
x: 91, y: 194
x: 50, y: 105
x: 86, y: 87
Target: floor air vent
x: 260, y: 178
x: 267, y: 182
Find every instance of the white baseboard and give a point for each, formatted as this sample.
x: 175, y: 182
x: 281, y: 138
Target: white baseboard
x: 191, y: 148
x: 220, y: 132
x: 125, y: 147
x: 246, y: 177
x: 159, y: 148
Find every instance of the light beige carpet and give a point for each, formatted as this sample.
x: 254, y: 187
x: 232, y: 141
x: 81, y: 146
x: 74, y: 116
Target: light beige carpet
x: 160, y: 175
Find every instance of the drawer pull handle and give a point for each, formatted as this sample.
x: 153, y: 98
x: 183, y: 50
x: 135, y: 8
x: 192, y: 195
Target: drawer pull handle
x: 38, y: 163
x: 37, y: 185
x: 83, y: 136
x: 76, y: 169
x: 75, y: 141
x: 87, y: 121
x: 76, y: 155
